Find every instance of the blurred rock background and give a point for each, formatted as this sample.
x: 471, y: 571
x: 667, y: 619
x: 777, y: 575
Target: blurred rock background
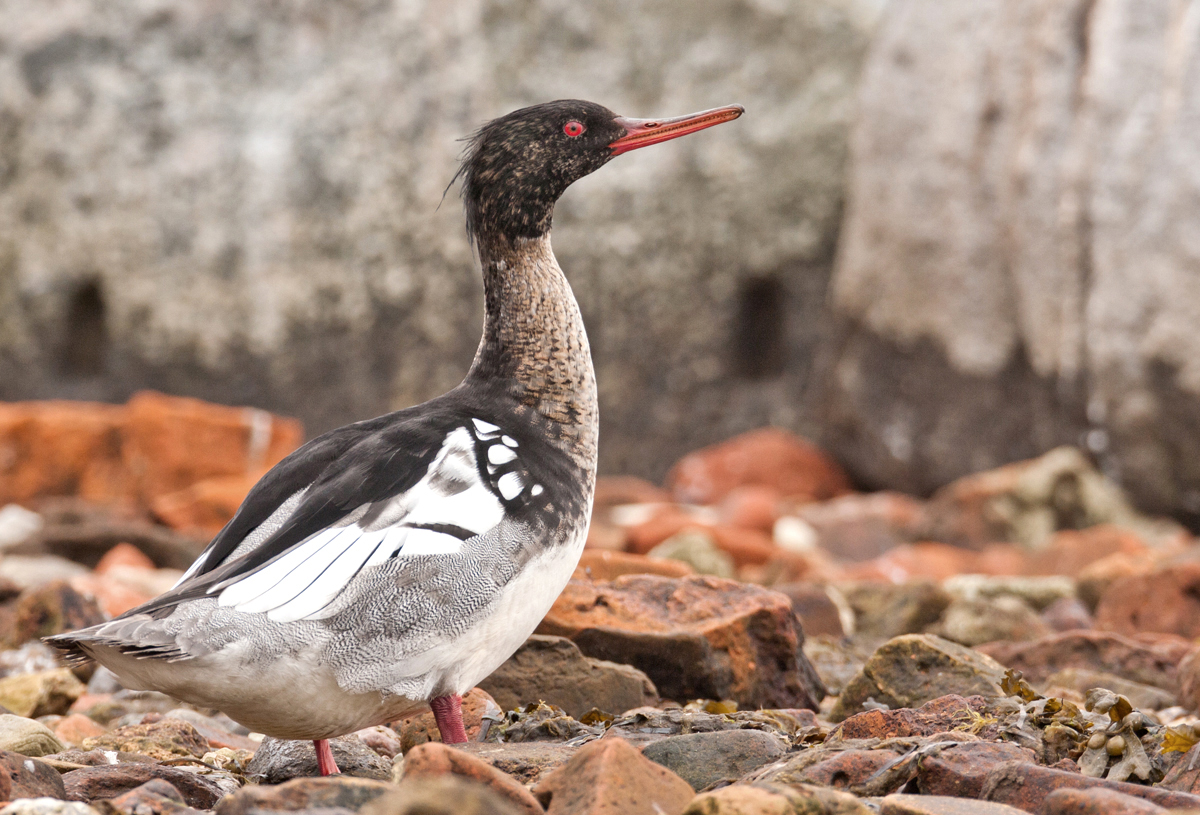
x: 945, y: 236
x: 241, y: 202
x: 1018, y: 262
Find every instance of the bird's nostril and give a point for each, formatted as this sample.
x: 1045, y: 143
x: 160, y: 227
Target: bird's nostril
x: 651, y: 124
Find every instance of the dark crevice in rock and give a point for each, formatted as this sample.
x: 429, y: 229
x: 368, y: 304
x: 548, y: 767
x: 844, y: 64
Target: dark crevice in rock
x: 1176, y: 489
x: 85, y: 332
x: 760, y: 330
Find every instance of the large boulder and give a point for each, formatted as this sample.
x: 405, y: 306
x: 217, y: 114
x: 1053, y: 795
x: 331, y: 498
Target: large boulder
x: 695, y: 637
x: 1018, y: 267
x: 240, y: 201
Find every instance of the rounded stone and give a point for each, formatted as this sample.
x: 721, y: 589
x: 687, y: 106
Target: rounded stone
x: 702, y: 759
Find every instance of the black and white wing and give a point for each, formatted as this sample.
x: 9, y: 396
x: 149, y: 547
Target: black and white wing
x: 417, y: 488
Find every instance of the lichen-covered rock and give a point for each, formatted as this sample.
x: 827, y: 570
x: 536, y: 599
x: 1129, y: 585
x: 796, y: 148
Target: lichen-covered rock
x: 165, y: 739
x: 838, y: 661
x: 542, y: 722
x: 98, y: 758
x: 40, y: 694
x: 650, y: 724
x: 1037, y: 591
x: 217, y: 731
x: 695, y: 637
x: 1027, y: 502
x: 697, y: 549
x: 229, y: 760
x: 911, y: 670
x: 27, y: 737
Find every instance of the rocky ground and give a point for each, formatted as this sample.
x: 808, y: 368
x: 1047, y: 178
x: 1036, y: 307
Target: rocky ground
x: 752, y: 637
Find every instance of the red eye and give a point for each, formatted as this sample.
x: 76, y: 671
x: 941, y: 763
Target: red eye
x: 574, y: 129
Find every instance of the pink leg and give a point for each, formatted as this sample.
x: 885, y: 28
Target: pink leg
x: 325, y: 762
x: 447, y: 712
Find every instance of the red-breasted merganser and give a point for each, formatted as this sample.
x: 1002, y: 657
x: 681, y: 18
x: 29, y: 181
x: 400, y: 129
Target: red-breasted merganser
x: 390, y: 565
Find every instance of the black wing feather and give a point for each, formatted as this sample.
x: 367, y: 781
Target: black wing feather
x: 344, y: 469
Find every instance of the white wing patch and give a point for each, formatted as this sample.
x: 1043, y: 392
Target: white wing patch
x: 304, y: 582
x: 510, y: 485
x: 500, y: 455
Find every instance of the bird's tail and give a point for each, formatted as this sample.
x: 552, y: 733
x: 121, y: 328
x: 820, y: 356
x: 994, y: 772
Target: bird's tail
x: 139, y: 635
x: 70, y: 652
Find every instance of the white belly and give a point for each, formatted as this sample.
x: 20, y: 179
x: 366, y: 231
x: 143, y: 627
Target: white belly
x: 294, y: 697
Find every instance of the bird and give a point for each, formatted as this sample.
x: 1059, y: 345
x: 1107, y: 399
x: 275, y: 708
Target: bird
x: 386, y: 567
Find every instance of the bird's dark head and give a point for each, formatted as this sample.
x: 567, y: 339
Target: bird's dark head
x: 516, y: 167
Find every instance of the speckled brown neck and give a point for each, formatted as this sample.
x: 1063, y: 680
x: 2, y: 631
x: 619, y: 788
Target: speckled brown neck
x: 534, y: 342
